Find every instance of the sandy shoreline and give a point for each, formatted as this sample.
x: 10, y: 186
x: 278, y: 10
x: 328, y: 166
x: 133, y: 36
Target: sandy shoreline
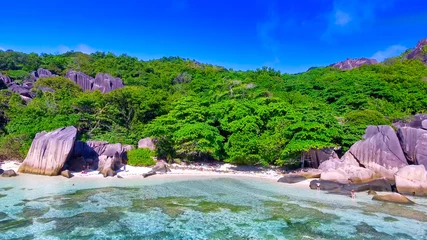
x: 223, y: 171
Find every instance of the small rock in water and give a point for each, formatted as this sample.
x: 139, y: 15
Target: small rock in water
x: 67, y: 174
x: 8, y: 173
x: 394, y: 198
x: 372, y: 192
x: 291, y: 179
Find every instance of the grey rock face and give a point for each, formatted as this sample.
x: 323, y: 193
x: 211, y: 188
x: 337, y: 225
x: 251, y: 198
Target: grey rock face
x: 418, y: 53
x: 84, y: 81
x: 44, y: 73
x: 147, y: 143
x: 414, y: 144
x: 349, y: 64
x: 380, y: 151
x: 5, y: 79
x: 412, y: 180
x: 66, y: 174
x: 102, y: 82
x: 106, y: 83
x: 417, y: 121
x: 49, y: 152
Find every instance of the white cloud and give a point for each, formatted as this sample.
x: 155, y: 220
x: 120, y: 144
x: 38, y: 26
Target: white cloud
x: 391, y: 51
x: 84, y: 49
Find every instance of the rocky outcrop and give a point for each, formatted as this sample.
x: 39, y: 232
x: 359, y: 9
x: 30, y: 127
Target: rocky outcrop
x: 380, y: 151
x: 106, y: 83
x: 412, y: 180
x: 43, y: 73
x: 417, y: 121
x: 102, y: 82
x: 419, y: 52
x: 349, y: 64
x: 49, y: 151
x: 160, y: 167
x: 290, y: 178
x: 345, y: 170
x: 147, y: 143
x: 98, y: 155
x: 315, y: 157
x: 394, y: 198
x: 380, y: 185
x: 414, y: 144
x: 5, y: 79
x: 84, y: 81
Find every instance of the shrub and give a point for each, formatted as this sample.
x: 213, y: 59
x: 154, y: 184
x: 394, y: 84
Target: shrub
x: 141, y: 157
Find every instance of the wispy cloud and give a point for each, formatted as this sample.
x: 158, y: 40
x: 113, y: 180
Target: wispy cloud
x: 391, y: 51
x: 266, y: 30
x: 351, y: 16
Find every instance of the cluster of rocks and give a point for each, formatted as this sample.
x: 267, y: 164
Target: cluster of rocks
x: 384, y: 160
x: 349, y: 64
x: 102, y: 82
x: 419, y: 52
x: 58, y: 153
x: 25, y: 89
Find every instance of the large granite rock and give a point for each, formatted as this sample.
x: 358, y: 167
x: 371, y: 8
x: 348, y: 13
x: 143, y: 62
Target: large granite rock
x: 106, y: 83
x: 84, y: 81
x: 394, y: 198
x: 102, y: 82
x: 416, y: 121
x: 318, y: 156
x: 147, y: 143
x: 44, y: 73
x: 160, y: 167
x: 98, y: 155
x: 49, y: 152
x: 5, y: 79
x: 414, y: 144
x: 412, y: 180
x: 349, y: 64
x: 380, y: 151
x: 418, y: 52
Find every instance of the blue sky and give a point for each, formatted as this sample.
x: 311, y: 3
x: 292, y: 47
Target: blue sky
x: 290, y: 36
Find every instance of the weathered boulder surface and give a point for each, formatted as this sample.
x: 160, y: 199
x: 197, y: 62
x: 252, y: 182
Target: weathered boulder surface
x: 147, y: 143
x: 318, y: 156
x: 49, y: 152
x: 414, y: 144
x: 418, y: 52
x: 380, y: 151
x: 8, y: 173
x: 102, y: 82
x: 290, y: 178
x: 381, y: 185
x: 160, y: 167
x: 349, y: 64
x: 417, y: 121
x: 106, y: 83
x: 98, y: 155
x: 44, y: 73
x: 345, y: 170
x: 5, y: 79
x: 66, y: 174
x: 412, y: 180
x: 394, y: 198
x: 84, y: 81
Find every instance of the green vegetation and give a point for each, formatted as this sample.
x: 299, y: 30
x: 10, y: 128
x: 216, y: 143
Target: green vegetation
x: 141, y: 157
x: 200, y: 111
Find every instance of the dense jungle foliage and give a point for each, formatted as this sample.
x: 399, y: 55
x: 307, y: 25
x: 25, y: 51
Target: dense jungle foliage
x: 200, y: 111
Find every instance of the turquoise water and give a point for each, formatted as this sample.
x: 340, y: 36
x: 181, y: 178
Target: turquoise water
x: 35, y: 207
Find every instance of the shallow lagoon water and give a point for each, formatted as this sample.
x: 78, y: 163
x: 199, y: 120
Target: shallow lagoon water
x: 195, y: 207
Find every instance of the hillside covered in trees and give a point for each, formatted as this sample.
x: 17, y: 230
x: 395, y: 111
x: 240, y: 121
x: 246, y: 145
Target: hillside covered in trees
x: 198, y: 111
